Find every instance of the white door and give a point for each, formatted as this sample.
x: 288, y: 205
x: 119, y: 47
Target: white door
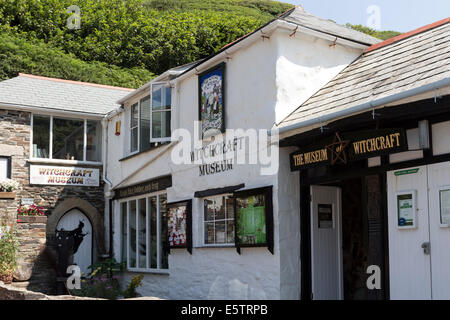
x: 439, y: 195
x: 326, y: 243
x: 409, y: 264
x: 71, y: 221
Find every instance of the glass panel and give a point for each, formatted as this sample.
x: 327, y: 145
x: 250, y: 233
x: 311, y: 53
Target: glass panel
x: 124, y: 230
x: 3, y: 168
x: 209, y: 209
x: 230, y: 208
x: 220, y: 208
x: 142, y: 233
x: 161, y: 124
x: 163, y: 231
x: 161, y: 97
x: 134, y: 116
x: 94, y: 141
x: 153, y: 228
x: 145, y: 123
x: 209, y: 232
x: 132, y: 247
x: 220, y: 232
x: 41, y: 136
x: 230, y: 231
x: 68, y: 139
x: 134, y: 139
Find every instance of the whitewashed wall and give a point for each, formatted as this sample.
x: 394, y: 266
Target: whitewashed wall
x: 264, y: 82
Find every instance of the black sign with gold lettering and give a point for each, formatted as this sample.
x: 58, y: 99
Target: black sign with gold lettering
x: 144, y: 187
x: 351, y: 146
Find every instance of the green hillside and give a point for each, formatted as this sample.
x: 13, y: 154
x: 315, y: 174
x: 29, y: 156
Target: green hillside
x: 124, y: 43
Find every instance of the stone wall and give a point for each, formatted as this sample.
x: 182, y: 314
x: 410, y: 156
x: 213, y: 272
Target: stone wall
x: 15, y: 143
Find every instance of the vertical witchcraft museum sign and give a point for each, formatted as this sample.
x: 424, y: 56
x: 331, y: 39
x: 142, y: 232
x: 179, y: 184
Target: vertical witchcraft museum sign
x: 211, y: 99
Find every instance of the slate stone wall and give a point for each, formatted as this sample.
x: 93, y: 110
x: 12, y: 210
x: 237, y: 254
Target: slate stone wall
x: 15, y: 143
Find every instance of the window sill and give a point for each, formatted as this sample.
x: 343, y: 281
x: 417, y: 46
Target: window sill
x: 216, y: 246
x: 163, y: 272
x: 64, y: 162
x: 145, y: 151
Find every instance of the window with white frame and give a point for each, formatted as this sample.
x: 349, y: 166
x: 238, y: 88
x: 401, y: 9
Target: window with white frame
x: 66, y: 138
x: 5, y: 168
x: 160, y: 115
x: 218, y: 220
x: 150, y: 120
x: 144, y: 232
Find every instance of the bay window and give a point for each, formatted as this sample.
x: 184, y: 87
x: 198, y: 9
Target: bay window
x: 144, y: 232
x: 66, y: 138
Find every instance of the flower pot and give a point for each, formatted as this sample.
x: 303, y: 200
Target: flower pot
x: 7, y: 195
x: 32, y: 219
x: 6, y: 278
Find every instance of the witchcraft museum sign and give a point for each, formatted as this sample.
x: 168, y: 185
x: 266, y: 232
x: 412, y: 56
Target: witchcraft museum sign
x: 352, y: 146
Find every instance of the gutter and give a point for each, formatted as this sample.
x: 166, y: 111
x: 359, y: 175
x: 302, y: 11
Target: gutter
x: 366, y: 106
x: 53, y: 111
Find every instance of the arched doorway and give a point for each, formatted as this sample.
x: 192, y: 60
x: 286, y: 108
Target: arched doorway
x: 70, y: 221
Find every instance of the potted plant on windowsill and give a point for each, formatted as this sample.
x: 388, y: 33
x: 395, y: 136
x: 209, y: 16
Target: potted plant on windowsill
x: 7, y: 188
x: 9, y: 246
x: 31, y: 214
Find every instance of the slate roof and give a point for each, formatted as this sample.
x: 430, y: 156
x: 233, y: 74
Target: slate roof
x: 62, y: 95
x: 400, y: 64
x: 302, y: 18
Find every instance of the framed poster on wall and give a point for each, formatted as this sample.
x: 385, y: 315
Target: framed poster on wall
x: 211, y: 99
x: 325, y: 216
x: 406, y: 209
x: 179, y: 224
x: 254, y: 218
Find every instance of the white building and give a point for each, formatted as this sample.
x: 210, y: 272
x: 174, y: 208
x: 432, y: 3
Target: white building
x: 265, y: 76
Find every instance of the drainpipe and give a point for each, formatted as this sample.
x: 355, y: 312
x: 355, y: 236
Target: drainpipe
x: 367, y: 106
x: 108, y: 194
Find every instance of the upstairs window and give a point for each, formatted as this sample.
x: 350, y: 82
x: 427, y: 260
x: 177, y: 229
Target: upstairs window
x: 160, y: 116
x: 66, y: 138
x: 150, y: 119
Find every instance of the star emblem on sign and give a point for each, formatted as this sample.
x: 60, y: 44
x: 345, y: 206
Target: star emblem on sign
x: 337, y: 149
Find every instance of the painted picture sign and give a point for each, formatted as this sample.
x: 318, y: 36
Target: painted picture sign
x: 70, y: 176
x: 212, y: 101
x: 353, y: 146
x: 179, y: 225
x: 177, y: 216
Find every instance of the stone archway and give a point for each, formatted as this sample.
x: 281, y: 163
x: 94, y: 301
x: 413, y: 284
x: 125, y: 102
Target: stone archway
x: 90, y: 211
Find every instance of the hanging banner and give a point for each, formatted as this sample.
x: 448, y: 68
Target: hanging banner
x: 67, y: 176
x: 353, y: 146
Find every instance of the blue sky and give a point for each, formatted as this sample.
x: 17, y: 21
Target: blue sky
x: 398, y: 15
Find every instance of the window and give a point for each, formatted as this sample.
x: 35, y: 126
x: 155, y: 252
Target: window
x: 144, y: 232
x: 66, y: 138
x: 41, y: 136
x: 218, y: 220
x: 160, y: 115
x: 5, y: 168
x: 134, y: 128
x: 94, y: 141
